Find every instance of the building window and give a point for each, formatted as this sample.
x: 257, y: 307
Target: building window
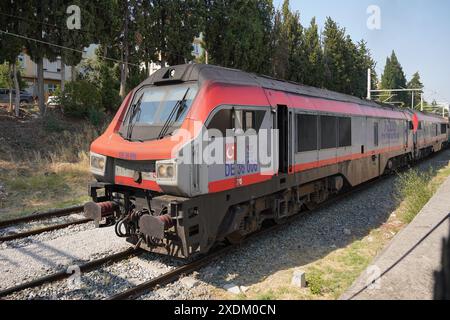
x: 21, y: 60
x: 345, y: 132
x: 50, y: 66
x: 51, y: 87
x: 306, y: 132
x: 328, y: 132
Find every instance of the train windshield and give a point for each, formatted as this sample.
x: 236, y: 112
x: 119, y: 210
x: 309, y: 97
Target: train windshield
x: 157, y: 112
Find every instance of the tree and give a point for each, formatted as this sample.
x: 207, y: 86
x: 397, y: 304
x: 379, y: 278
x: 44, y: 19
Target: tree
x: 287, y: 45
x: 314, y: 65
x: 41, y: 26
x: 238, y: 33
x: 292, y: 30
x: 363, y: 61
x: 394, y: 78
x: 335, y: 43
x: 346, y: 62
x: 146, y: 42
x: 118, y: 39
x: 11, y: 47
x: 74, y: 38
x: 182, y: 26
x: 415, y: 83
x: 278, y: 43
x: 103, y: 74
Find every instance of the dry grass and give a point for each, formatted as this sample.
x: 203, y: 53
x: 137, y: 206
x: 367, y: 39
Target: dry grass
x: 44, y: 164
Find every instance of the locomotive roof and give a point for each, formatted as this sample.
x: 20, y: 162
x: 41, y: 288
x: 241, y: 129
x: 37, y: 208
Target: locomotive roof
x: 207, y: 72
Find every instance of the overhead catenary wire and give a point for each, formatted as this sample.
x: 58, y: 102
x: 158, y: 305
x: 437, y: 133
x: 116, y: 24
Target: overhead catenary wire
x: 84, y: 31
x: 64, y: 47
x: 40, y: 22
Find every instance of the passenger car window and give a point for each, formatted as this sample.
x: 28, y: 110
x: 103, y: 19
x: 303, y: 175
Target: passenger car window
x: 328, y: 132
x: 306, y: 132
x: 375, y: 134
x: 345, y: 132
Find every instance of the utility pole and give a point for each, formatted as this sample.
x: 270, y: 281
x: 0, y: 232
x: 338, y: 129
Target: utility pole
x: 369, y: 84
x: 421, y: 101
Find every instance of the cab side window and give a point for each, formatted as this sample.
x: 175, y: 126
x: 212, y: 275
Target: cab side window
x: 227, y: 119
x: 248, y: 119
x: 221, y: 121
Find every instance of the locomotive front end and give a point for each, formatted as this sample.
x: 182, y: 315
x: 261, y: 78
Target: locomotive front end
x: 139, y: 180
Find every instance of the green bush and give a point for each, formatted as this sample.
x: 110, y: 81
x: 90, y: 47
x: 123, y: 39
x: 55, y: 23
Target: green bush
x: 413, y: 188
x: 81, y: 99
x: 315, y: 281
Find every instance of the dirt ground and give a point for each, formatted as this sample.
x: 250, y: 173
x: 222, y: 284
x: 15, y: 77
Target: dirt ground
x: 44, y: 163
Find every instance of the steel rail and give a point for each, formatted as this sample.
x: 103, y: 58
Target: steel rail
x: 54, y: 213
x: 62, y: 274
x: 33, y: 232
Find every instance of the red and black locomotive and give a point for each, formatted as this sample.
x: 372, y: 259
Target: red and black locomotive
x: 198, y: 154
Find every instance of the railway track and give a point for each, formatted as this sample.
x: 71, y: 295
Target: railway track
x: 63, y: 274
x: 55, y: 213
x: 187, y: 268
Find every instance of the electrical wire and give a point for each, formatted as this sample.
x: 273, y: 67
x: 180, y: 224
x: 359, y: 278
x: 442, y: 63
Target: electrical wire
x: 64, y: 47
x: 78, y: 30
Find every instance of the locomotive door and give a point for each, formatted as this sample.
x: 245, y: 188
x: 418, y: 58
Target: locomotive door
x: 284, y: 126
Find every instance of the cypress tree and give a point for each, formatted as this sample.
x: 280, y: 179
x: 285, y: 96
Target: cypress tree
x: 314, y: 71
x: 394, y: 78
x: 238, y: 33
x: 415, y: 83
x: 334, y: 44
x: 292, y: 31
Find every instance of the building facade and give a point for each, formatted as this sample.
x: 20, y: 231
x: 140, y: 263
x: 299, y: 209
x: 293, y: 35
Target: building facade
x: 52, y: 74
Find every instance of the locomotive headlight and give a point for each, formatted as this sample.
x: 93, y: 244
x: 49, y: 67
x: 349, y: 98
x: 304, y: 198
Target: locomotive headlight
x: 98, y: 164
x: 165, y: 170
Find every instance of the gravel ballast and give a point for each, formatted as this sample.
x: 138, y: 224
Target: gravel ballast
x: 45, y: 236
x: 24, y: 263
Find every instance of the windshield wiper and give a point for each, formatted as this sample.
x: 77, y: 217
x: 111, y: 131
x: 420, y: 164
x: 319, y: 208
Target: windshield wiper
x: 179, y: 106
x: 134, y: 110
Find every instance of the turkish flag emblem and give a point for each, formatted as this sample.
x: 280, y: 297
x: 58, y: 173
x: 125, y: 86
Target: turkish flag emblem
x: 230, y: 152
x: 415, y: 121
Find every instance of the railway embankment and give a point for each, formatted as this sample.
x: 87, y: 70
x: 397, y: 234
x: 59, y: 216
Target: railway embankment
x: 333, y: 246
x: 407, y: 268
